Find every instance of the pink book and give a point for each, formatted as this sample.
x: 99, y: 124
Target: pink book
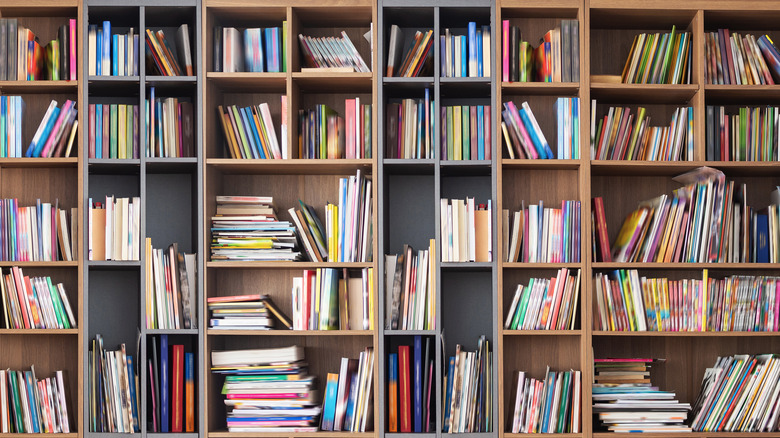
x: 521, y: 128
x: 72, y: 41
x: 777, y: 306
x: 349, y: 110
x: 278, y: 395
x: 50, y: 142
x: 428, y: 400
x: 504, y: 52
x: 620, y: 360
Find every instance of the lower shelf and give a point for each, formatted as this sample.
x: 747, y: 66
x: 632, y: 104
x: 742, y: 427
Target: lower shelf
x: 291, y: 434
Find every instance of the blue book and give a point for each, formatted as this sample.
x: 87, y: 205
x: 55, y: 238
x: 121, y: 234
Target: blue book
x: 246, y: 120
x: 762, y: 238
x: 32, y: 400
x: 329, y: 404
x: 464, y: 60
x: 98, y: 130
x: 115, y: 55
x: 164, y: 402
x: 575, y: 132
x: 351, y: 401
x: 559, y: 121
x: 480, y: 132
x: 35, y: 149
x: 480, y: 66
x: 550, y: 388
x: 540, y: 149
x: 272, y: 49
x: 448, y: 393
x: 472, y: 49
x: 3, y: 123
x: 255, y: 133
x: 98, y: 49
x: 133, y: 395
x: 417, y: 402
x: 19, y: 117
x: 106, y: 46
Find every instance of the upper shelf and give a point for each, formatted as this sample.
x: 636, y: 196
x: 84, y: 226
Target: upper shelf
x: 38, y: 87
x: 244, y: 82
x: 643, y: 93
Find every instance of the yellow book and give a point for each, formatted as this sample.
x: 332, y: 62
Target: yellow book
x: 371, y: 299
x: 457, y: 146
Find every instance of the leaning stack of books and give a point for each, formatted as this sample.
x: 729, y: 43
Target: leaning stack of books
x: 551, y: 405
x: 522, y: 133
x: 417, y: 58
x: 36, y: 302
x: 659, y: 59
x: 56, y: 132
x: 348, y: 400
x: 334, y: 53
x: 546, y: 303
x: 735, y: 59
x: 32, y: 405
x: 164, y: 61
x: 626, y: 401
x: 267, y: 390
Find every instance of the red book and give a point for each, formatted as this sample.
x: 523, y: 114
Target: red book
x: 349, y: 110
x: 488, y: 152
x: 177, y: 388
x: 404, y: 389
x: 601, y: 229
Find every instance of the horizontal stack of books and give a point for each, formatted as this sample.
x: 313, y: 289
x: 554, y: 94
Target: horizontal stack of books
x: 244, y: 312
x: 112, y: 54
x: 466, y: 55
x: 417, y: 58
x: 56, y: 132
x: 411, y: 129
x: 32, y: 405
x: 114, y: 390
x: 249, y: 131
x: 171, y: 288
x: 38, y: 233
x: 659, y: 59
x: 333, y: 53
x: 34, y: 303
x: 260, y: 50
x: 466, y: 230
x: 625, y: 400
x: 321, y: 300
x: 163, y: 59
x: 551, y: 405
x: 628, y: 302
x: 114, y: 229
x: 23, y: 59
x: 540, y: 234
x: 735, y: 59
x: 411, y: 289
x: 171, y: 386
x: 410, y: 387
x: 267, y: 390
x: 525, y: 136
x: 246, y: 228
x: 746, y: 134
x: 468, y: 404
x: 169, y: 127
x: 556, y: 59
x: 323, y: 133
x: 465, y: 133
x: 546, y: 303
x: 621, y: 135
x: 739, y: 394
x: 113, y: 131
x: 348, y: 401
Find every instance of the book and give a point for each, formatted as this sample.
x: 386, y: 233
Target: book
x: 177, y: 389
x: 330, y: 52
x: 475, y: 45
x: 405, y: 403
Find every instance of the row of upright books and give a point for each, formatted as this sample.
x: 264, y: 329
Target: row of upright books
x: 409, y: 387
x: 114, y: 387
x: 627, y: 301
x: 250, y: 133
x: 114, y: 229
x: 732, y: 58
x: 466, y: 55
x: 540, y: 234
x: 113, y: 131
x: 323, y: 133
x: 34, y: 303
x: 326, y: 299
x: 546, y: 303
x: 42, y: 232
x: 411, y: 289
x: 551, y: 405
x: 171, y: 288
x: 555, y: 59
x: 417, y: 56
x: 255, y: 50
x: 466, y: 230
x: 659, y: 59
x: 245, y: 312
x: 411, y: 128
x: 171, y: 387
x: 169, y: 127
x: 468, y: 396
x: 23, y: 59
x: 348, y: 402
x: 465, y: 132
x: 746, y: 134
x: 32, y: 405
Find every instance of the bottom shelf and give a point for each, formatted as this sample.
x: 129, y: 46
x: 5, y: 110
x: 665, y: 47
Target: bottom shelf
x: 291, y: 434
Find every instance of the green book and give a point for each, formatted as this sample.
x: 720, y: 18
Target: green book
x: 13, y: 377
x: 664, y: 79
x: 466, y: 137
x: 114, y: 135
x: 241, y: 133
x: 367, y: 131
x: 645, y: 55
x: 517, y: 323
x: 59, y: 311
x: 129, y: 132
x: 457, y: 141
x: 450, y: 140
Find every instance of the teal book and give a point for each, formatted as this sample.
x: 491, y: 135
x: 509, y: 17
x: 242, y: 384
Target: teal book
x: 329, y: 404
x: 114, y: 131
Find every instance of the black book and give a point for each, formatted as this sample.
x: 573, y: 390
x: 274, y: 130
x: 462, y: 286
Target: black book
x: 64, y: 56
x: 514, y: 40
x: 391, y: 144
x: 12, y: 39
x: 217, y: 48
x: 710, y: 130
x: 155, y: 383
x: 3, y: 49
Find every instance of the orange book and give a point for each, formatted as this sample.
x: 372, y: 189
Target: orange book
x: 98, y: 233
x: 189, y: 392
x: 177, y: 388
x: 482, y: 235
x: 392, y: 394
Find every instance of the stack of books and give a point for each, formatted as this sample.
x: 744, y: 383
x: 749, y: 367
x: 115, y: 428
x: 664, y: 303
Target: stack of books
x: 466, y: 230
x: 36, y: 233
x: 621, y: 135
x: 734, y: 59
x: 466, y: 55
x: 23, y: 59
x: 249, y: 131
x: 525, y: 137
x: 540, y: 234
x: 551, y: 405
x: 56, y: 132
x: 34, y: 303
x: 468, y: 404
x: 112, y: 54
x: 746, y: 134
x: 163, y: 60
x: 625, y: 400
x: 348, y: 402
x: 267, y: 390
x: 410, y: 388
x: 410, y: 129
x: 334, y: 53
x: 417, y: 58
x: 628, y: 302
x: 323, y: 133
x: 260, y: 50
x: 321, y: 300
x: 11, y: 117
x: 739, y: 394
x: 707, y: 220
x: 115, y: 390
x: 169, y: 127
x: 244, y: 312
x: 465, y: 133
x: 246, y: 228
x: 546, y: 303
x: 114, y: 229
x: 411, y: 289
x: 32, y: 405
x: 171, y: 387
x: 556, y: 59
x: 171, y: 288
x: 659, y: 59
x: 113, y: 131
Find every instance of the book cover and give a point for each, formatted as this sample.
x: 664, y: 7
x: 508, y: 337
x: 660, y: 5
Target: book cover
x: 329, y: 404
x: 392, y: 392
x: 177, y: 388
x: 418, y: 384
x: 165, y: 404
x: 404, y: 389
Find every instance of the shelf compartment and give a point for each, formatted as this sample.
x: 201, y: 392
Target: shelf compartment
x: 246, y: 82
x: 38, y: 87
x: 466, y: 167
x: 401, y: 166
x: 543, y: 108
x: 290, y: 167
x: 643, y: 93
x: 114, y: 165
x: 29, y: 185
x: 540, y: 88
x: 171, y: 165
x: 335, y: 333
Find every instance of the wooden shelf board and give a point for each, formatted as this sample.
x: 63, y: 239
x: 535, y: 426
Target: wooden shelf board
x: 39, y: 162
x: 519, y: 265
x: 509, y: 163
x: 290, y: 167
x: 684, y: 266
x: 673, y: 168
x: 74, y: 331
x: 290, y: 434
x: 410, y: 332
x: 741, y: 93
x: 40, y: 435
x: 643, y: 93
x: 39, y: 8
x: 685, y: 334
x: 541, y: 332
x: 546, y: 435
x: 246, y: 82
x: 316, y: 82
x: 541, y: 7
x: 38, y: 87
x: 285, y: 265
x: 540, y: 88
x: 55, y: 264
x: 218, y: 332
x: 693, y: 434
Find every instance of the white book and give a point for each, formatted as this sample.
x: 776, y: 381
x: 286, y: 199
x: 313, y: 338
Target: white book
x: 510, y: 315
x: 136, y: 229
